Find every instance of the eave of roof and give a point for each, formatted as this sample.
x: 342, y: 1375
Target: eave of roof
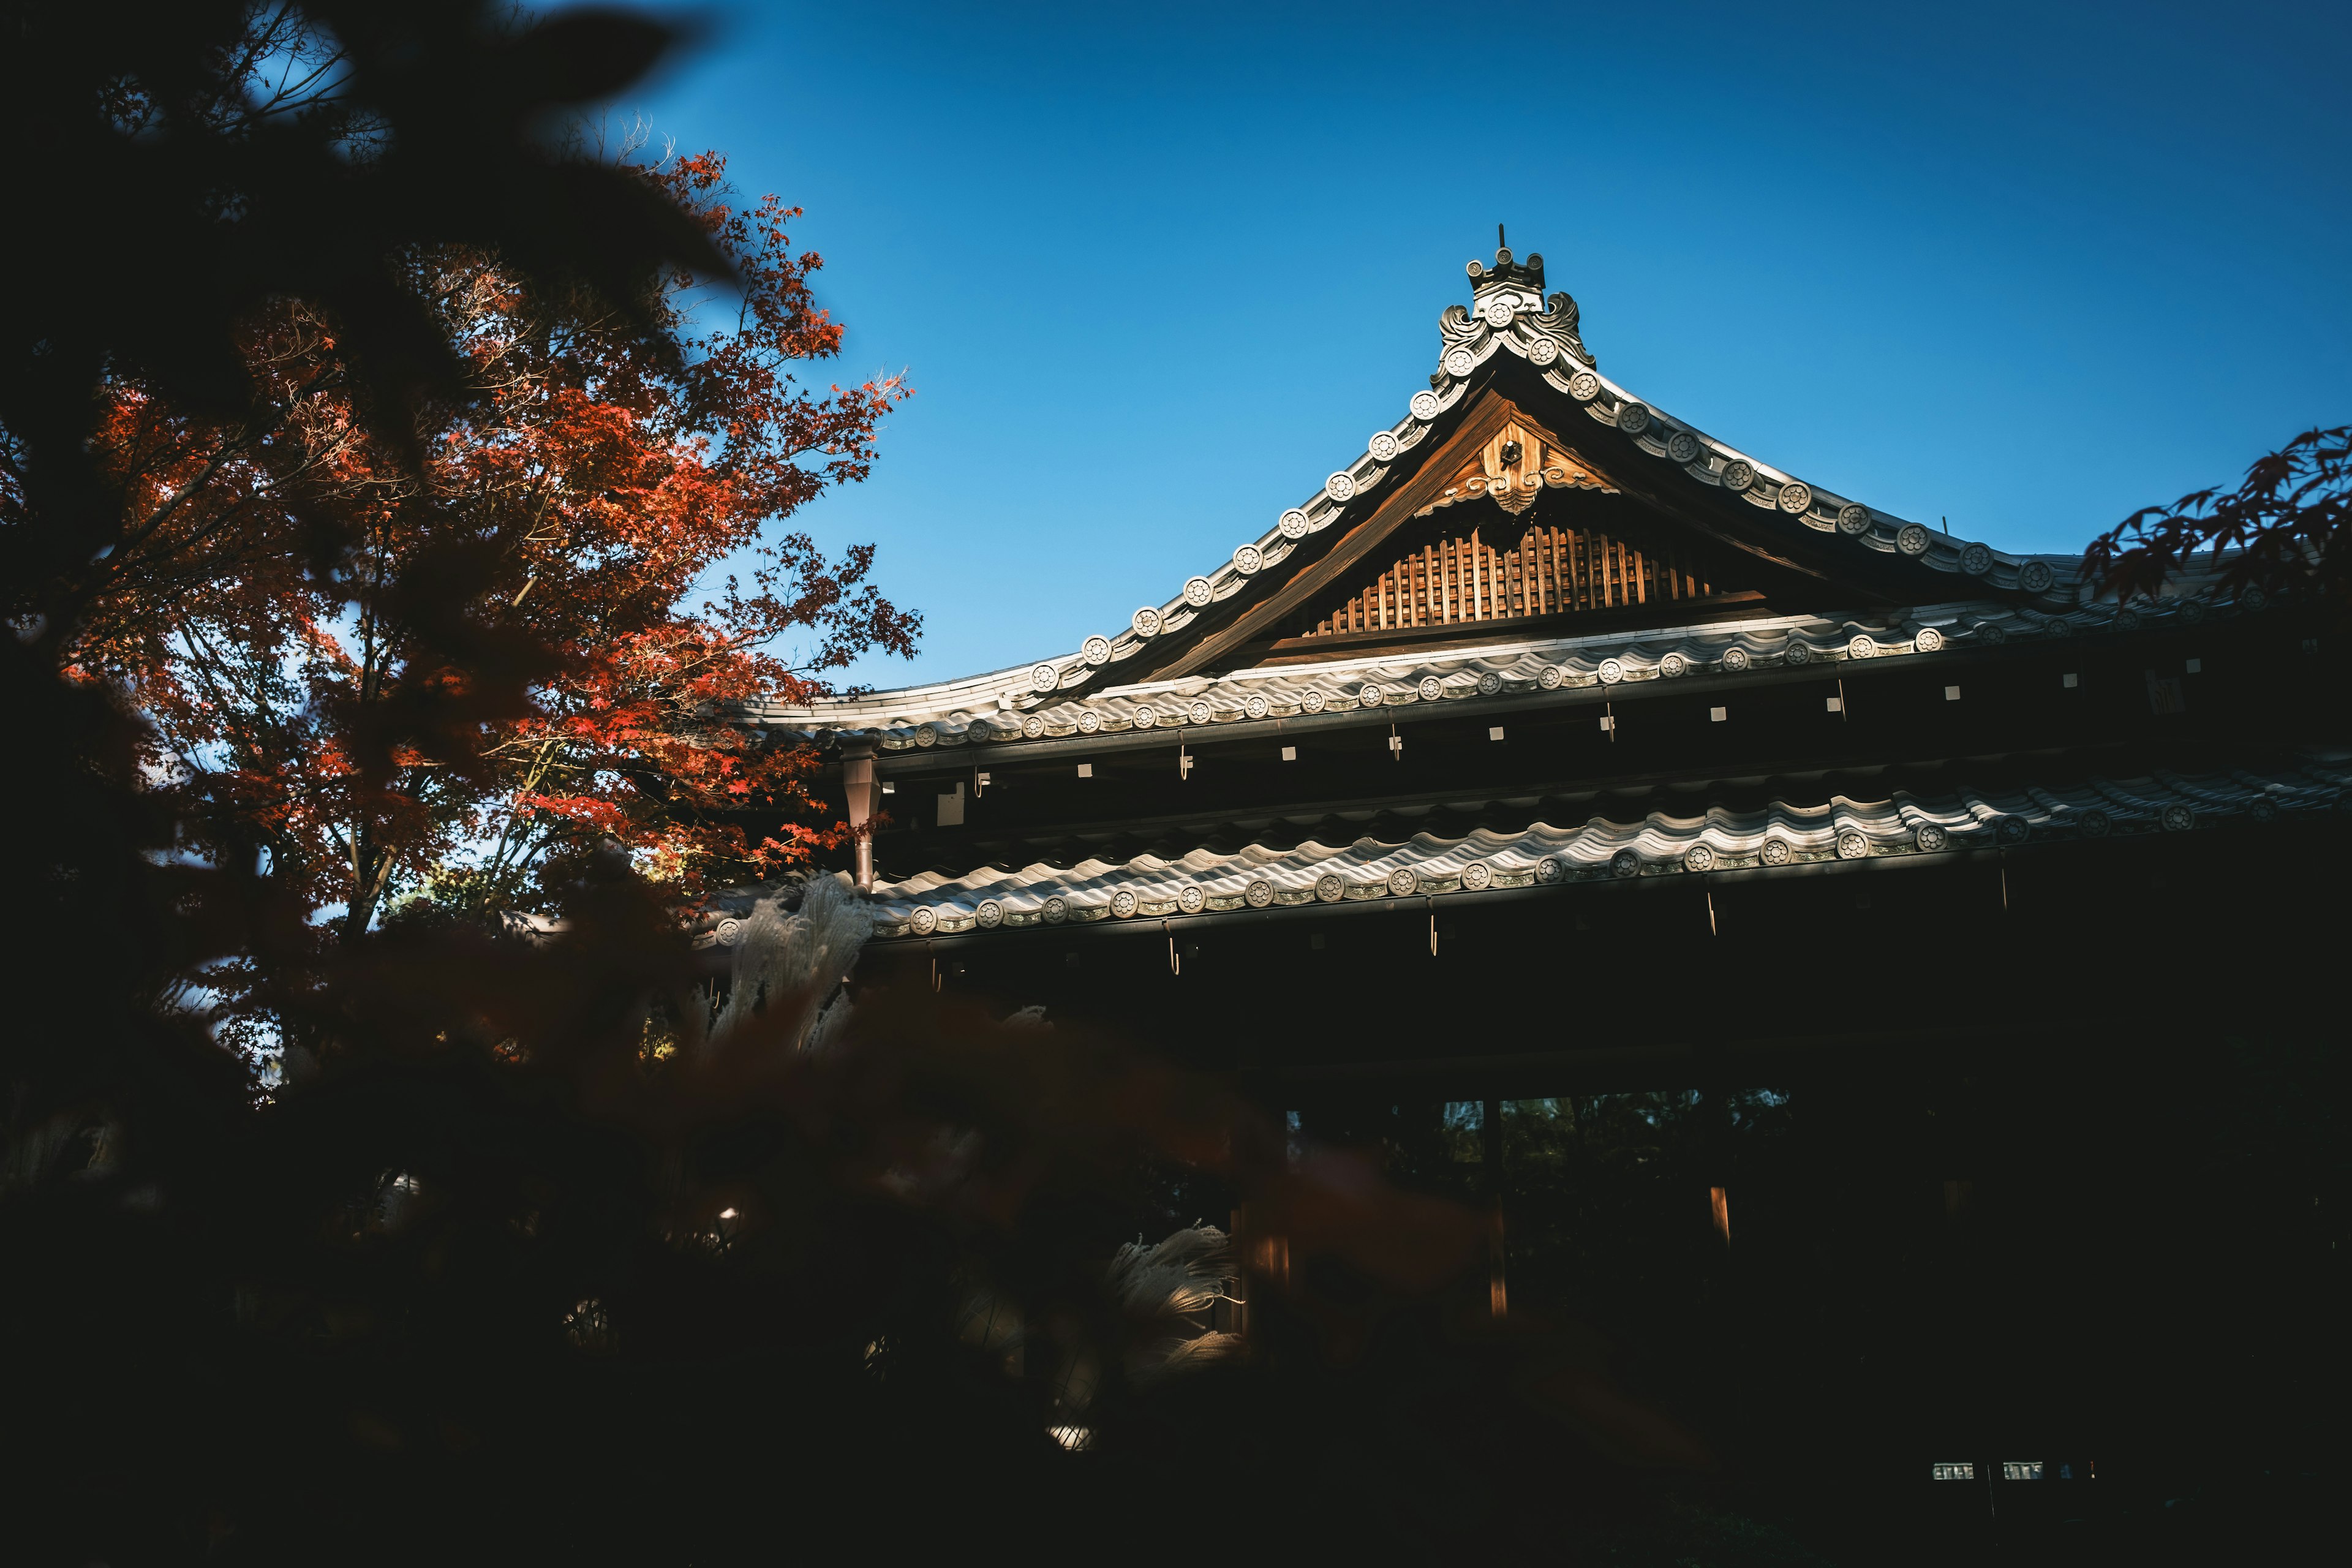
x: 1782, y: 837
x: 1375, y: 687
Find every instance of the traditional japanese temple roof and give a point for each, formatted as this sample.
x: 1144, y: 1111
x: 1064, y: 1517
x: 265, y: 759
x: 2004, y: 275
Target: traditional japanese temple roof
x: 1858, y: 581
x: 1532, y: 536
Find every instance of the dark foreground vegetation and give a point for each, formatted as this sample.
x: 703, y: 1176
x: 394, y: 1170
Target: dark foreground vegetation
x: 2136, y: 1283
x: 414, y: 1238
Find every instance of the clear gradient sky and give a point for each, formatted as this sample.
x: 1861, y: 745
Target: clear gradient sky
x: 1155, y: 270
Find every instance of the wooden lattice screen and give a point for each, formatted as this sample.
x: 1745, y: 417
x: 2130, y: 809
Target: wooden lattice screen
x: 1550, y: 572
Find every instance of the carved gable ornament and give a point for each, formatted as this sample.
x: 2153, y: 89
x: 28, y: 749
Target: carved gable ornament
x: 1517, y: 461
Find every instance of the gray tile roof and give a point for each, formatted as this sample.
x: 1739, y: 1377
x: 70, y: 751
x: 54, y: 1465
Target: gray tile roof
x: 980, y: 711
x: 1659, y: 842
x: 1507, y: 317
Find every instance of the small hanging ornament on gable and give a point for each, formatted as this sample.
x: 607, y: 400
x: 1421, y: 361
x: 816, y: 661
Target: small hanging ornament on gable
x: 1516, y: 464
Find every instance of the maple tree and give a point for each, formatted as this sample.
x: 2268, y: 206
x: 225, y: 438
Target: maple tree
x: 361, y: 451
x: 287, y: 585
x: 2289, y: 522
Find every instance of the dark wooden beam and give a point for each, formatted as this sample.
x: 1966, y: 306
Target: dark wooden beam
x: 1258, y: 622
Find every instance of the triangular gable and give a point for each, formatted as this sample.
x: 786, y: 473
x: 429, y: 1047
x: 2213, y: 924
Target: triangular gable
x: 1671, y: 506
x: 1502, y: 551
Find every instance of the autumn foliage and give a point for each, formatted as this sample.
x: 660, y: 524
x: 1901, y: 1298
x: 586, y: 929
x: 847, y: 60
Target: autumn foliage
x: 396, y: 512
x: 2287, y: 527
x: 441, y: 678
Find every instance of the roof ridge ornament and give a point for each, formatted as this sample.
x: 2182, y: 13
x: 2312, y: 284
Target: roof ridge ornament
x: 1511, y: 289
x: 1508, y: 270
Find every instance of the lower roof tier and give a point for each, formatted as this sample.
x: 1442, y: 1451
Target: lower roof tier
x: 1911, y: 813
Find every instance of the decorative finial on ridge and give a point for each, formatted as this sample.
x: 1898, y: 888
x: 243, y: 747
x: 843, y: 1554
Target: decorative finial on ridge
x: 1507, y: 269
x: 1512, y: 285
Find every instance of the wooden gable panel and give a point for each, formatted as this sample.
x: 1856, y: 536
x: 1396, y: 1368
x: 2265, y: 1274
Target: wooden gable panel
x: 1463, y: 577
x: 1506, y: 571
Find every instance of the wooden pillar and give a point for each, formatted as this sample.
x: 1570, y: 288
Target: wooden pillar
x: 863, y: 794
x: 1715, y: 1114
x: 1490, y: 1154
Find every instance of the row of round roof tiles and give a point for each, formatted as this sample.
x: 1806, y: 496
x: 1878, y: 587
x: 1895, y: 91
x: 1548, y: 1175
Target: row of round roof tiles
x: 1729, y: 650
x: 1427, y: 866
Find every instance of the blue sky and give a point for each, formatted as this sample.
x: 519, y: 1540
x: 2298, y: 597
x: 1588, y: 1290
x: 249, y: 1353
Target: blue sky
x: 1155, y: 271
